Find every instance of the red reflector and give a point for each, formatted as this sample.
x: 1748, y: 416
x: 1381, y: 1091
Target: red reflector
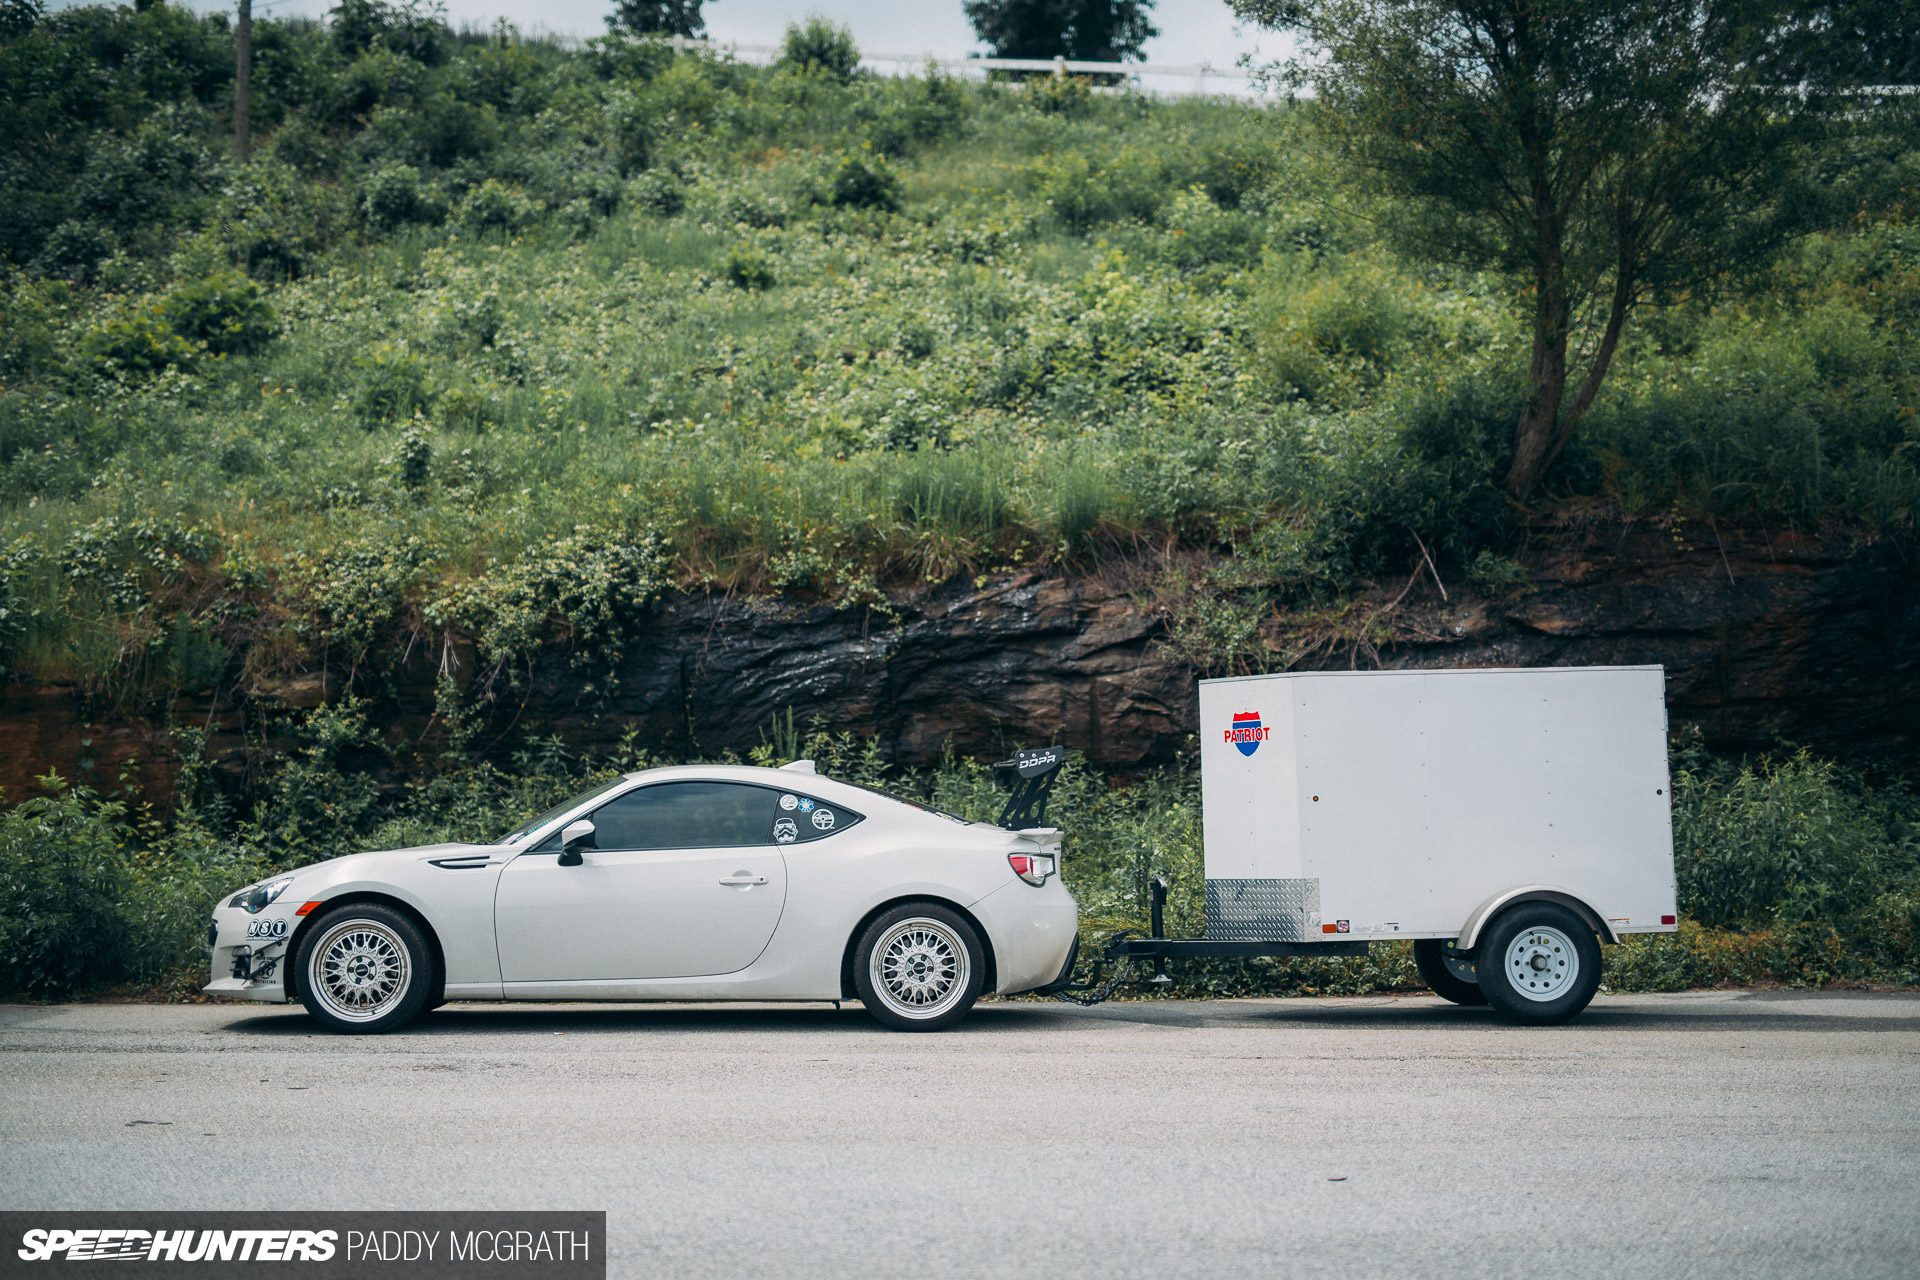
x: 1669, y: 919
x: 304, y: 907
x: 1022, y: 864
x: 1329, y: 928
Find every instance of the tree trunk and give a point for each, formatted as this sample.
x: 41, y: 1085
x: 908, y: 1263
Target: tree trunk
x: 1536, y: 434
x: 243, y: 82
x: 1624, y: 290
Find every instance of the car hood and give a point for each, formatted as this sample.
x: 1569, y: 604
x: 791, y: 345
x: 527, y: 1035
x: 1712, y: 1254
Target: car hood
x: 357, y: 865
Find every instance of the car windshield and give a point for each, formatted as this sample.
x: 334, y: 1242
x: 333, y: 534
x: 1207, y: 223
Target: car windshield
x: 526, y: 829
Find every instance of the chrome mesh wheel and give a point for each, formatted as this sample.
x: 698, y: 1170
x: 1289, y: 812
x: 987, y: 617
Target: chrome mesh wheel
x: 920, y: 968
x: 358, y: 970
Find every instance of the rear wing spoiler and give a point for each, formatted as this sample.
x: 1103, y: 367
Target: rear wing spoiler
x: 1029, y: 776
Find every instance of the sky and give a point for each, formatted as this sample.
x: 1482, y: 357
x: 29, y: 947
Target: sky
x: 1192, y: 32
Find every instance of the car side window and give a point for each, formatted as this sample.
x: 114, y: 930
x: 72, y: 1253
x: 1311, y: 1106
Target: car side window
x: 686, y: 815
x: 799, y: 818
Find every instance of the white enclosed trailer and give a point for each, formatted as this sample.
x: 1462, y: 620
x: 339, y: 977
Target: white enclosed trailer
x: 1505, y: 820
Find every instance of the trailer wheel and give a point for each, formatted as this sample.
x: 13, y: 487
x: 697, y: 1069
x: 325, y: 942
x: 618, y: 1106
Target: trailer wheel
x: 1448, y: 973
x: 1538, y: 962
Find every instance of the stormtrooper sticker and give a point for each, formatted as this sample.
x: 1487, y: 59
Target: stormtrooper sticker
x: 823, y: 819
x: 787, y: 803
x: 785, y: 831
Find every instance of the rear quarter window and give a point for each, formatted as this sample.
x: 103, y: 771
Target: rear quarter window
x: 799, y: 818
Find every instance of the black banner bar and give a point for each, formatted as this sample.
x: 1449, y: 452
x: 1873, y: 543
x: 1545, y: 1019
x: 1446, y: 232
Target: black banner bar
x: 287, y: 1243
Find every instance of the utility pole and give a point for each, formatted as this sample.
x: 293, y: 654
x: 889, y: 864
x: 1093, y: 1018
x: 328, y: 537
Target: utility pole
x: 243, y: 82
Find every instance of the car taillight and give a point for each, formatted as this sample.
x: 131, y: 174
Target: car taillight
x: 1034, y: 868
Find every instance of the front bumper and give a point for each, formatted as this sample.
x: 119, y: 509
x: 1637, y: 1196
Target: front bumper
x: 250, y: 953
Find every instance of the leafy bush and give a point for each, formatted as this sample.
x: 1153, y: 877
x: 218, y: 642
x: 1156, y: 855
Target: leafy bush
x: 864, y: 180
x: 933, y: 108
x: 275, y: 222
x: 1059, y: 95
x: 495, y: 206
x: 748, y: 266
x: 819, y: 47
x: 63, y: 876
x: 1788, y: 841
x: 394, y: 195
x: 659, y: 193
x: 591, y: 586
x: 394, y: 384
x: 225, y: 312
x: 135, y: 341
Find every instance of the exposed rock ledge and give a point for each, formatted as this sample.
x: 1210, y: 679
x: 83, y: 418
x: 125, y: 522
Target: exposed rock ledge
x: 1763, y: 639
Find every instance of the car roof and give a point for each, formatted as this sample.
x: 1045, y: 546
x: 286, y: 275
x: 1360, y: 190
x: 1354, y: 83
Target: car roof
x: 860, y: 799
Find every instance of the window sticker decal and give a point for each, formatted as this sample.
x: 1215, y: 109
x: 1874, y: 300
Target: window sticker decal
x: 788, y: 803
x: 785, y: 830
x: 806, y: 805
x: 823, y: 819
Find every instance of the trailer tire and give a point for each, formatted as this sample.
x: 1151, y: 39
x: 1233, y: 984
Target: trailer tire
x: 1429, y: 957
x: 1538, y: 962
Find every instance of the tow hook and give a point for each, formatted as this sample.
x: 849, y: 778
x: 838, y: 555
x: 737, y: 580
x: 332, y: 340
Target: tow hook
x: 249, y: 967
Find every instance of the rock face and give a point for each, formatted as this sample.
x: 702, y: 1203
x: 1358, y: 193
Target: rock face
x: 1764, y: 640
x: 1022, y: 659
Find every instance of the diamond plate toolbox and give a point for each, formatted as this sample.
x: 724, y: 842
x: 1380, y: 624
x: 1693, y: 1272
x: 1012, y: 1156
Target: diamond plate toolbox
x: 1263, y: 910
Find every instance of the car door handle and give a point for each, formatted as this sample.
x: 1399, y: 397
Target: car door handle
x: 742, y: 878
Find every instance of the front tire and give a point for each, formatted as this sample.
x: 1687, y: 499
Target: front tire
x: 1538, y: 963
x: 919, y: 967
x: 1447, y: 974
x: 364, y: 969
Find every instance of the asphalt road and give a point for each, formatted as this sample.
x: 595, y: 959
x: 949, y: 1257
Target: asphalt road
x: 1708, y: 1134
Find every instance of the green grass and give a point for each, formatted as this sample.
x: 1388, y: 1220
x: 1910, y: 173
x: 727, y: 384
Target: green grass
x: 1127, y: 323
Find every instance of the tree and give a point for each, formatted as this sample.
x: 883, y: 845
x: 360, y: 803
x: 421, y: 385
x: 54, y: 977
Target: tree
x: 658, y: 18
x: 243, y: 82
x: 1605, y: 151
x: 1086, y: 30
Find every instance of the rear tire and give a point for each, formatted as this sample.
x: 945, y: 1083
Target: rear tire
x: 1538, y: 963
x: 919, y: 967
x: 365, y: 968
x: 1445, y: 980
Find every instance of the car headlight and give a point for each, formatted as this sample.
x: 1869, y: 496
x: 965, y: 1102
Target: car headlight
x: 260, y: 896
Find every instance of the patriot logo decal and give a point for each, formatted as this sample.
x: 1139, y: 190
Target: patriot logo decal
x: 1247, y: 732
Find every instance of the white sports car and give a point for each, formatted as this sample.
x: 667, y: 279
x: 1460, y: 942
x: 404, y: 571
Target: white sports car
x: 694, y: 883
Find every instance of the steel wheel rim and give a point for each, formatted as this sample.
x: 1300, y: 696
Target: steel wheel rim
x: 359, y: 970
x: 920, y: 968
x: 1458, y: 965
x: 1542, y: 963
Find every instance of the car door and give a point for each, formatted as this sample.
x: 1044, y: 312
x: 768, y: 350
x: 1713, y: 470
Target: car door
x: 683, y: 880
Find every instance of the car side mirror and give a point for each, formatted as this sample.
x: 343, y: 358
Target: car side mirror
x: 576, y: 836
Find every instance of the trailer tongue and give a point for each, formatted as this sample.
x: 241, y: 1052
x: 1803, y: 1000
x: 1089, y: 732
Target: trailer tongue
x: 1504, y: 821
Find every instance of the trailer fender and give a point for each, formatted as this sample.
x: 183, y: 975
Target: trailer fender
x: 1470, y: 932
